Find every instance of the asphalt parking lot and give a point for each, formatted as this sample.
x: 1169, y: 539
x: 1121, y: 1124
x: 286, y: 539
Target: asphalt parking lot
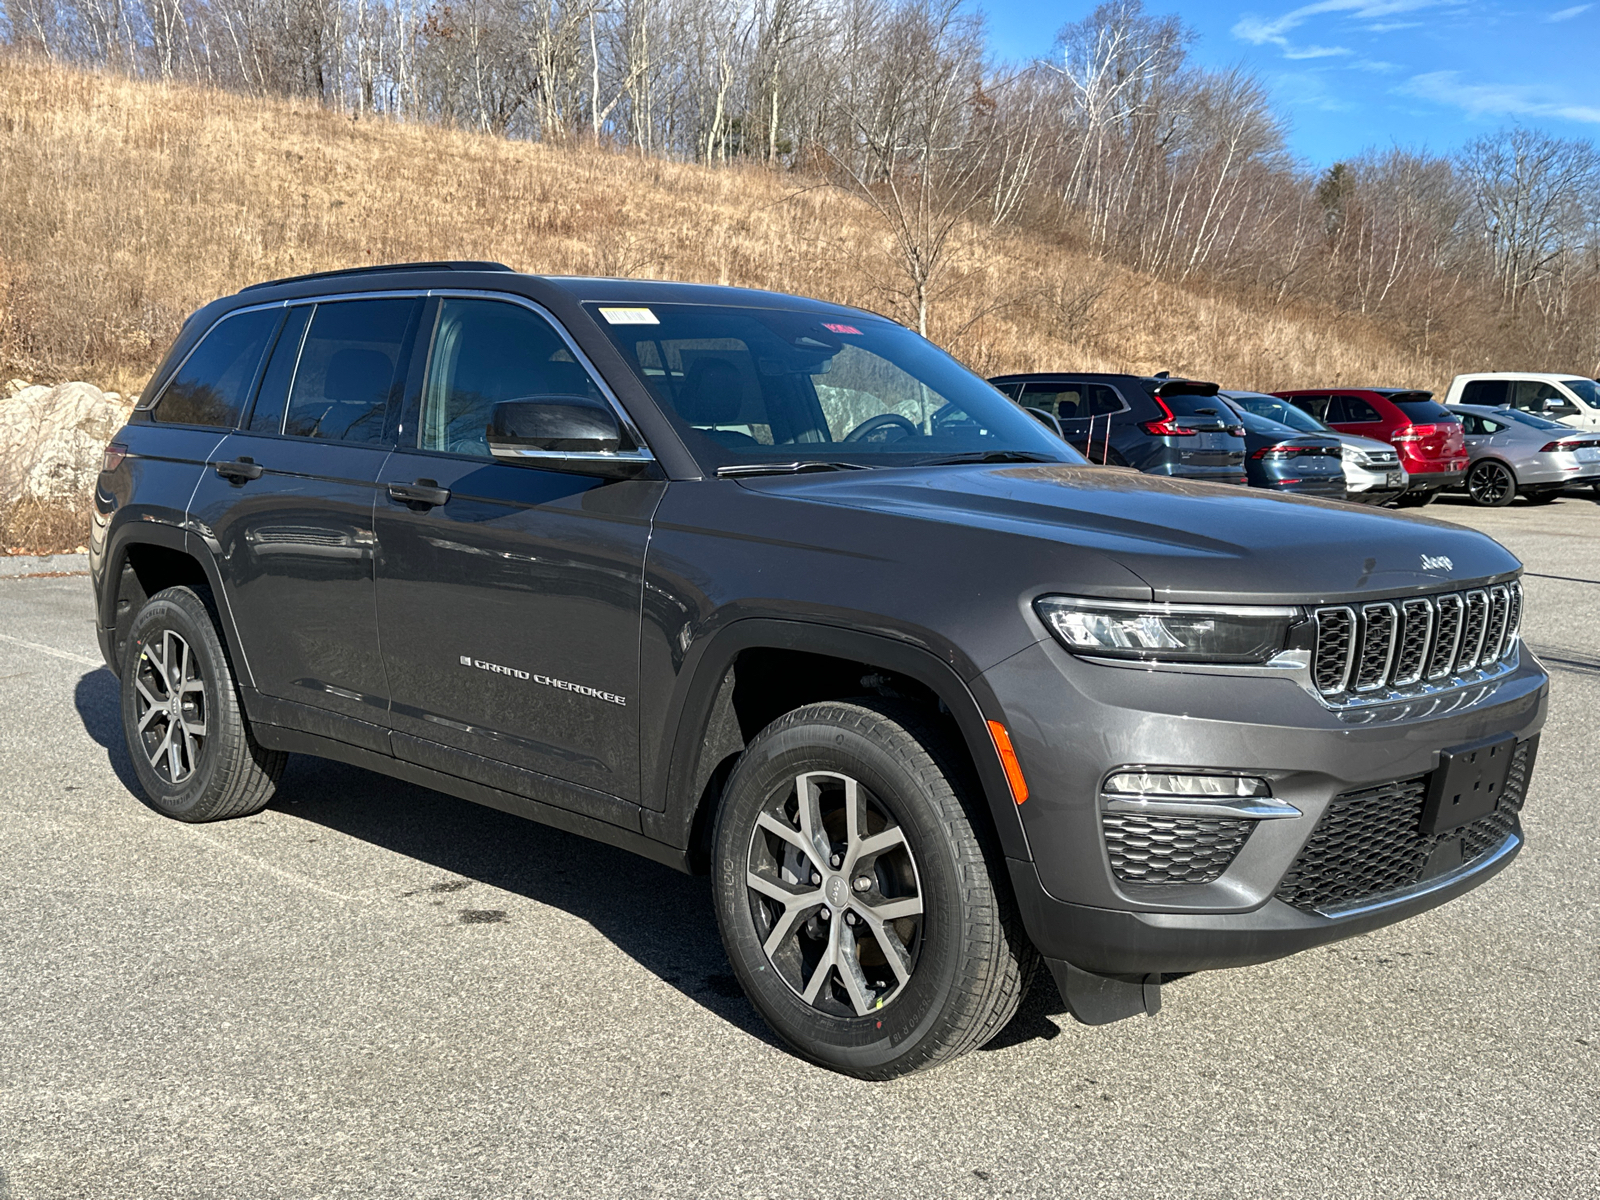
x: 373, y: 990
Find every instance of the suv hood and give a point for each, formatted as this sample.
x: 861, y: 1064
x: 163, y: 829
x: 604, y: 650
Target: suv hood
x: 1187, y: 540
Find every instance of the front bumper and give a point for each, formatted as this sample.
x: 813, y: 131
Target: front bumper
x: 1072, y: 722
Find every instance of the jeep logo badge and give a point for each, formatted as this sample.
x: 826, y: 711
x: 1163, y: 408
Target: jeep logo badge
x: 1436, y: 563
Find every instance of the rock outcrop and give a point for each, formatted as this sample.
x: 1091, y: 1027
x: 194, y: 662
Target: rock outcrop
x: 51, y: 439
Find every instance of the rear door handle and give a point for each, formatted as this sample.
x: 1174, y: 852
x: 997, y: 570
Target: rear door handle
x: 240, y: 470
x: 424, y: 493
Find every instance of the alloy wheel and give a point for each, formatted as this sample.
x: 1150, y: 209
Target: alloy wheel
x: 1490, y: 484
x: 835, y: 894
x: 170, y: 706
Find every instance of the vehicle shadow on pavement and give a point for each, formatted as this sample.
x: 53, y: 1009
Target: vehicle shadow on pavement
x: 659, y: 917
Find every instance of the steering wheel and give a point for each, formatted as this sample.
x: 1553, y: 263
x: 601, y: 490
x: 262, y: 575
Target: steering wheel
x: 885, y: 422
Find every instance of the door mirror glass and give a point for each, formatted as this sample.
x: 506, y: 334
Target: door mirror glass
x: 553, y: 424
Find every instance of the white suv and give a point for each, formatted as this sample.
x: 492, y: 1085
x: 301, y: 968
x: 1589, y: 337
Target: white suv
x: 1570, y: 399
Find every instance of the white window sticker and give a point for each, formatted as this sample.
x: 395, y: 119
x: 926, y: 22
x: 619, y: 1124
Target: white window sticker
x: 629, y: 316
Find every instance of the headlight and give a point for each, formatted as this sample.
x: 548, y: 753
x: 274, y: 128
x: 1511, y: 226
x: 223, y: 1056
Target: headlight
x: 1167, y: 632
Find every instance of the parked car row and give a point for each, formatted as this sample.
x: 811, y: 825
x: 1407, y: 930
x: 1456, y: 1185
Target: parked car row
x: 1499, y: 436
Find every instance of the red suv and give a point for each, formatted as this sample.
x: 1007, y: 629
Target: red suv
x: 1427, y: 435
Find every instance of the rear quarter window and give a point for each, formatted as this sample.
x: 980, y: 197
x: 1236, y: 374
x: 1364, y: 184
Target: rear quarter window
x: 1423, y: 411
x: 212, y: 385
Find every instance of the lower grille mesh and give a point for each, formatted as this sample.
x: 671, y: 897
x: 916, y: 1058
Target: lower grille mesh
x: 1369, y: 843
x: 1158, y: 849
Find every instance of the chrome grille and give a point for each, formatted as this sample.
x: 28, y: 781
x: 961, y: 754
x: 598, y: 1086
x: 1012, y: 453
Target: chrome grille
x: 1473, y: 627
x: 1416, y: 617
x: 1422, y: 643
x: 1447, y: 643
x: 1335, y: 647
x: 1377, y: 646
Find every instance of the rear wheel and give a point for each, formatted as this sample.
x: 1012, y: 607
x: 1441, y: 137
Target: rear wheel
x: 186, y: 731
x: 1491, y: 484
x: 854, y: 895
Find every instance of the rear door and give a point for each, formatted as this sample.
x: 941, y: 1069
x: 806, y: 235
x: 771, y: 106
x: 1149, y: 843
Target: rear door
x: 1087, y: 412
x: 288, y: 507
x: 509, y: 596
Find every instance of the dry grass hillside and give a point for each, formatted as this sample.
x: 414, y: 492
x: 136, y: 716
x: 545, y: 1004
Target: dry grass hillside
x: 124, y: 206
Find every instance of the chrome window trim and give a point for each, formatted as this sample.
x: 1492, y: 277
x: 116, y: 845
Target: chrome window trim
x: 639, y: 456
x: 147, y: 405
x: 429, y: 293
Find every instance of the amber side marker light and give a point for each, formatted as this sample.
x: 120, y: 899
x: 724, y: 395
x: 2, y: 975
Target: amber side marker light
x: 1008, y: 760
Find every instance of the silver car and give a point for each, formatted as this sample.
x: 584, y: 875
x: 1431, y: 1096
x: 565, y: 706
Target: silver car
x: 1372, y: 470
x: 1513, y: 452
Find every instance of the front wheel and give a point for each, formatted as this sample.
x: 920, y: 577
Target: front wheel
x: 186, y: 731
x: 1491, y: 484
x: 855, y: 899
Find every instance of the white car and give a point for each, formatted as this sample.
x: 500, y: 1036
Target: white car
x: 1571, y: 399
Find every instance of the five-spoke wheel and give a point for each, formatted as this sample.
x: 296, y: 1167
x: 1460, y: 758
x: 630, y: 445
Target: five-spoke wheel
x: 191, y: 746
x: 171, y: 705
x: 1491, y: 484
x: 857, y: 893
x: 834, y: 892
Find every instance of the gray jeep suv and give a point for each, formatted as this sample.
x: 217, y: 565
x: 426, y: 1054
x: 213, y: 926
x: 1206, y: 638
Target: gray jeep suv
x: 776, y: 590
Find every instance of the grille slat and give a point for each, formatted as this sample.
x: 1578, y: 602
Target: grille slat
x: 1420, y: 643
x: 1370, y: 843
x: 1415, y: 630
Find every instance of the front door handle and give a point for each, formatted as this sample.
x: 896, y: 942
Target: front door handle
x: 424, y: 493
x: 241, y: 470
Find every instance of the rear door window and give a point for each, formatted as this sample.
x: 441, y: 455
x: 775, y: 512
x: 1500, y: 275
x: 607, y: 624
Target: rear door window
x: 348, y: 367
x: 215, y: 380
x: 1353, y: 410
x: 267, y: 415
x: 1490, y: 393
x: 1318, y: 406
x: 1074, y: 401
x: 485, y: 352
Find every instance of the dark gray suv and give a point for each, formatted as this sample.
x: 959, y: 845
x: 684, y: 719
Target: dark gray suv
x: 776, y: 590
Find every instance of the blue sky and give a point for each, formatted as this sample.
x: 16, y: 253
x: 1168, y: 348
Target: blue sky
x: 1350, y: 74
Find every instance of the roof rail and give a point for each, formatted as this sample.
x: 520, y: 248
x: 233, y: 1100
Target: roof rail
x: 460, y: 265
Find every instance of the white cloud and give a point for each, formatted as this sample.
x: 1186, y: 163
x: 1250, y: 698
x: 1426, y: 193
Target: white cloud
x: 1566, y: 14
x: 1259, y: 31
x: 1478, y: 99
x: 1392, y: 26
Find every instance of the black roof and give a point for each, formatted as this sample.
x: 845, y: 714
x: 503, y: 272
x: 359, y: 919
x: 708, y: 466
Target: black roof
x: 589, y: 289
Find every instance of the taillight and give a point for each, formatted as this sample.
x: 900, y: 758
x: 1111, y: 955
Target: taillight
x: 113, y: 456
x: 1282, y: 451
x: 1168, y: 425
x: 1560, y: 447
x: 1234, y: 431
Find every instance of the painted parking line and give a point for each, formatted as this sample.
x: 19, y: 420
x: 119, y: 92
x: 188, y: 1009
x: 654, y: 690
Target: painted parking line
x: 68, y: 655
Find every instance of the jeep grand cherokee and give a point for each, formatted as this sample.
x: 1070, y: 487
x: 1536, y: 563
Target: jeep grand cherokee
x: 776, y: 590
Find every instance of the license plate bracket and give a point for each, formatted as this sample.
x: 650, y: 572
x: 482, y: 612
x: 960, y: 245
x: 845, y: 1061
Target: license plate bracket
x: 1468, y: 783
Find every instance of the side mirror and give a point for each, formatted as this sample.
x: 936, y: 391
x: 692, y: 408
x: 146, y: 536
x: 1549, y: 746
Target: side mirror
x: 1048, y: 419
x: 1556, y: 404
x: 570, y: 433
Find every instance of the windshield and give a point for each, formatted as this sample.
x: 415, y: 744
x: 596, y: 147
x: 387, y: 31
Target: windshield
x: 1586, y: 390
x: 762, y: 385
x: 1529, y: 419
x: 1281, y: 411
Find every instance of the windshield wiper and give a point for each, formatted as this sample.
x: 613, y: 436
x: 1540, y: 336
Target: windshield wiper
x: 734, y: 470
x: 991, y: 456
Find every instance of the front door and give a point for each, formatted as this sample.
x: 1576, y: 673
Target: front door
x: 288, y: 507
x: 509, y: 596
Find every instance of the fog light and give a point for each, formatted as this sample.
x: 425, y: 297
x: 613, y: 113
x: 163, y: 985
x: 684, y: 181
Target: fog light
x: 1169, y: 784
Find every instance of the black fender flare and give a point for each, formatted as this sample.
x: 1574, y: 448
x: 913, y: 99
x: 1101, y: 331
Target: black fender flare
x: 128, y: 534
x: 970, y: 702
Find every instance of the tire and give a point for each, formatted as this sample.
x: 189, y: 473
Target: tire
x: 911, y: 990
x: 1491, y: 484
x: 186, y: 730
x: 1415, y: 499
